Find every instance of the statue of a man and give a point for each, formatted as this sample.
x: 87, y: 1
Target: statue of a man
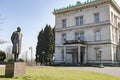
x: 16, y: 39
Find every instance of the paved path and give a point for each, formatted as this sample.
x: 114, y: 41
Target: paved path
x: 113, y: 71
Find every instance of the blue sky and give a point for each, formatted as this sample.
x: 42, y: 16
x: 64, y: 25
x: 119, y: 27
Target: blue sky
x: 31, y: 16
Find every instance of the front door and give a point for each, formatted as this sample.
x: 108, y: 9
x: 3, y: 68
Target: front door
x: 75, y: 55
x: 82, y: 54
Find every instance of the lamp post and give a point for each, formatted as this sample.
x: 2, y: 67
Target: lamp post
x: 43, y: 53
x: 100, y: 52
x: 31, y: 54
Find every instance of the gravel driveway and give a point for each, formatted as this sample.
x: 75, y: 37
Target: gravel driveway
x: 113, y: 71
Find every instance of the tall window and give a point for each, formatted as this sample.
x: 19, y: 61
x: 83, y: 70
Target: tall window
x: 76, y: 36
x: 96, y: 17
x: 79, y: 36
x: 64, y: 23
x: 63, y: 38
x: 98, y: 55
x: 97, y: 36
x: 115, y: 20
x: 112, y: 17
x: 79, y: 21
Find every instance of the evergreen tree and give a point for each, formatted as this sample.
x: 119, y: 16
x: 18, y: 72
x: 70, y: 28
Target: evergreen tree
x: 39, y: 48
x: 45, y: 43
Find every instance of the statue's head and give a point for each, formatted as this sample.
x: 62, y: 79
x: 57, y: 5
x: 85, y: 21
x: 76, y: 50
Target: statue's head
x: 18, y: 29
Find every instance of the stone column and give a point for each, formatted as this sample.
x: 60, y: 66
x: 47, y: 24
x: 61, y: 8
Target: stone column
x: 64, y: 53
x: 79, y: 54
x: 85, y: 56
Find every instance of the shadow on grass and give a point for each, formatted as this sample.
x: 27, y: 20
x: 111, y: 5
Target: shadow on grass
x: 2, y: 76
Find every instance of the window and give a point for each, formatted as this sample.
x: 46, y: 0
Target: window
x: 114, y: 53
x: 98, y: 55
x: 79, y: 21
x: 82, y: 36
x: 76, y: 36
x: 115, y: 20
x: 96, y: 17
x: 97, y: 35
x: 113, y: 34
x: 64, y: 23
x: 63, y: 38
x: 111, y: 17
x: 79, y: 36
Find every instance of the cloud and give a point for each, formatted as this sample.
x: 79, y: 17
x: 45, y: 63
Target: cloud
x: 2, y: 41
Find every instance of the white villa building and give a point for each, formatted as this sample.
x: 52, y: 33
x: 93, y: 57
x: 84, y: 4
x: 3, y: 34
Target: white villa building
x: 88, y: 32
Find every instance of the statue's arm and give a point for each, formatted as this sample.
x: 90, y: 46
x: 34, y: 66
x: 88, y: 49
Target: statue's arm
x: 13, y: 36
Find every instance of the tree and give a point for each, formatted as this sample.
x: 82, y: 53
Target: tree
x: 48, y: 34
x: 39, y: 47
x: 45, y: 43
x: 2, y: 56
x: 8, y: 52
x: 2, y: 21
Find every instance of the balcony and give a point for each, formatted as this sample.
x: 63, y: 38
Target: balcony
x: 74, y: 42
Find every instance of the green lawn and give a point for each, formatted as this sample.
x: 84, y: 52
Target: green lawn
x: 56, y: 73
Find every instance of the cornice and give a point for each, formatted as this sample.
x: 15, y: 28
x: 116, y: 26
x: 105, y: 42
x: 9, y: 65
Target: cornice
x: 94, y: 4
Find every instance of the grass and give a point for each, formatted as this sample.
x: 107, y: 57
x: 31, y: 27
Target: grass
x: 56, y: 73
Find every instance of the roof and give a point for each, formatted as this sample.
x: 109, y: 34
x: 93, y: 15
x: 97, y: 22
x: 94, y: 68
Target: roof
x: 86, y: 4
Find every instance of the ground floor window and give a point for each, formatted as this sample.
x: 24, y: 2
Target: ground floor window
x: 98, y: 55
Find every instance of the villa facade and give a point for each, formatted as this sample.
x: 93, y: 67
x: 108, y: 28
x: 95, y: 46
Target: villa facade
x: 88, y: 33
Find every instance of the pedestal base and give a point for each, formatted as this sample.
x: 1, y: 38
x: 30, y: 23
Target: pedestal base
x: 15, y: 69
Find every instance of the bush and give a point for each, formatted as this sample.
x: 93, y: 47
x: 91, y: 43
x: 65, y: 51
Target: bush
x: 2, y: 56
x: 10, y: 60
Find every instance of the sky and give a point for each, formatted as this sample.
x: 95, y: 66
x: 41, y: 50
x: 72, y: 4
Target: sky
x: 31, y: 16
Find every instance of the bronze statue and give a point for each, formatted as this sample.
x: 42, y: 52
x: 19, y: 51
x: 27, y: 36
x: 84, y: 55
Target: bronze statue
x: 16, y: 39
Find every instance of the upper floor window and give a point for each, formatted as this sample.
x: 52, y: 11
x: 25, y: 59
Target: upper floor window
x: 97, y: 36
x: 76, y: 36
x: 79, y: 36
x: 112, y: 17
x: 63, y: 38
x: 115, y: 20
x: 82, y: 36
x: 64, y: 23
x: 79, y: 21
x: 96, y: 17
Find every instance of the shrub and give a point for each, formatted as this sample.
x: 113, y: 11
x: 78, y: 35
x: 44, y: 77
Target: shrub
x: 2, y: 56
x: 10, y: 60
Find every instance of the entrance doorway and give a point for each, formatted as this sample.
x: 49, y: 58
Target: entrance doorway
x: 82, y: 54
x: 72, y: 54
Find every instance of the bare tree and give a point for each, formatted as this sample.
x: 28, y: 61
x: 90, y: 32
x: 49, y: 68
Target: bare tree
x: 8, y: 52
x: 2, y: 20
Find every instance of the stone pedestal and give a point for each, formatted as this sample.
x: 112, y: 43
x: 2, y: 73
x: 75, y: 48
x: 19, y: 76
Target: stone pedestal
x: 15, y: 69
